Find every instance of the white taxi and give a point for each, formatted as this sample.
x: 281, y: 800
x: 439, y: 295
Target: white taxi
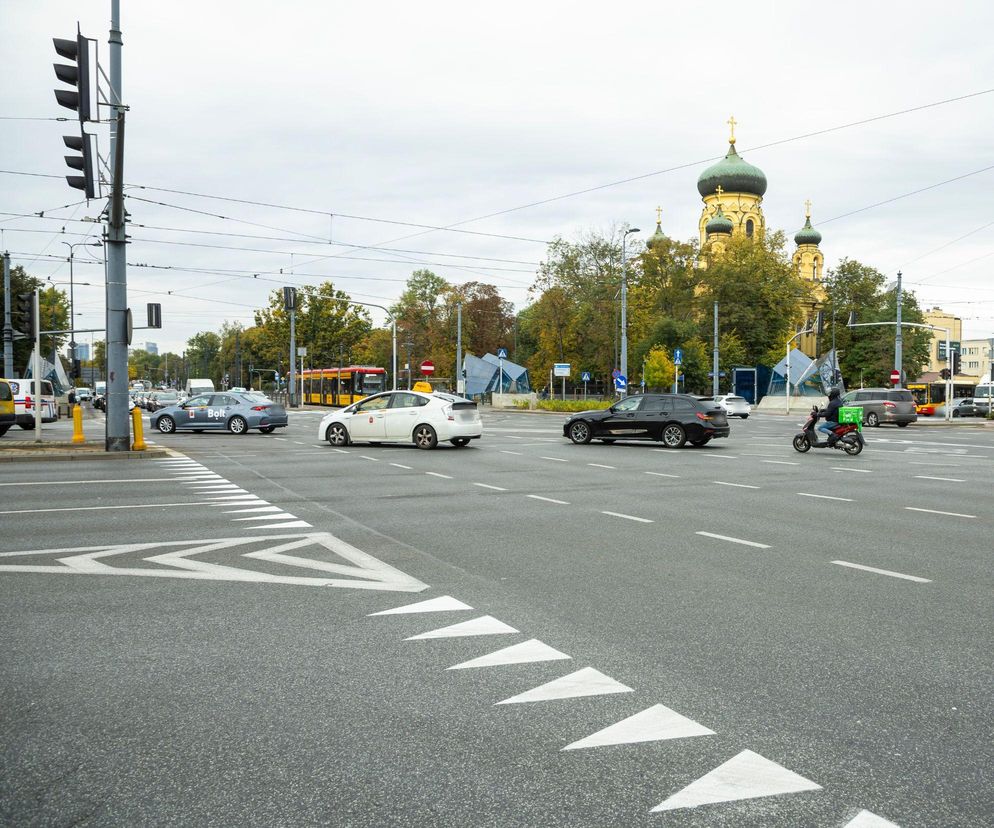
x: 404, y: 417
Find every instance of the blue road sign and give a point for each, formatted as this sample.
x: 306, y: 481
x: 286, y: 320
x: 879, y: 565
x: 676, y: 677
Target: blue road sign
x: 643, y: 383
x: 678, y: 357
x: 620, y: 383
x: 585, y: 376
x: 502, y: 353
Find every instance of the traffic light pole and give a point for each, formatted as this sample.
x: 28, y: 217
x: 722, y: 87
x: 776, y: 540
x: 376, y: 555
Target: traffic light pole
x: 36, y: 366
x: 8, y: 329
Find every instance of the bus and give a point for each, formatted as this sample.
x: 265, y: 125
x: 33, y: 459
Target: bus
x: 342, y: 386
x: 929, y: 395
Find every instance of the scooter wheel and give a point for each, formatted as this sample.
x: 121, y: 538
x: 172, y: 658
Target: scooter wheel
x: 801, y: 443
x: 852, y: 447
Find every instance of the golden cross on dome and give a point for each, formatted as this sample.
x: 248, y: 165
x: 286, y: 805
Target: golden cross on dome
x: 659, y: 215
x: 719, y: 190
x: 732, y: 122
x: 807, y: 208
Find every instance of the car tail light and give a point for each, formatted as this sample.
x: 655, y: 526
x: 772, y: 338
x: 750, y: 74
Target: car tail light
x: 260, y: 407
x: 702, y: 416
x: 27, y: 402
x: 889, y: 405
x: 447, y: 411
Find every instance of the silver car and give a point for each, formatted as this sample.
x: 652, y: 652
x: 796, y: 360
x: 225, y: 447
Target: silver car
x: 225, y: 411
x: 734, y: 406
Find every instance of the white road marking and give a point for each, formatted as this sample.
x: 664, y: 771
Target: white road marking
x: 943, y: 465
x: 826, y: 497
x: 280, y: 515
x: 505, y: 451
x: 488, y: 486
x: 230, y: 497
x: 937, y: 512
x: 444, y: 604
x: 526, y: 652
x: 253, y: 509
x: 93, y: 482
x: 745, y: 776
x: 738, y: 485
x: 555, y: 459
x: 628, y: 517
x: 653, y: 724
x: 858, y: 471
x: 781, y: 462
x: 299, y: 443
x: 340, y: 451
x: 212, y: 487
x: 548, y: 499
x: 100, y: 508
x: 291, y: 524
x: 585, y: 682
x: 366, y: 572
x: 439, y: 474
x: 722, y: 456
x: 914, y: 578
x: 281, y: 439
x: 865, y: 819
x: 367, y: 457
x: 757, y: 454
x: 734, y: 540
x: 661, y: 474
x: 484, y: 625
x: 946, y: 479
x: 401, y: 466
x: 601, y: 466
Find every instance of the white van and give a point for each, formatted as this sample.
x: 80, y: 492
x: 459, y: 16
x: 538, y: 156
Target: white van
x: 25, y: 399
x: 195, y: 386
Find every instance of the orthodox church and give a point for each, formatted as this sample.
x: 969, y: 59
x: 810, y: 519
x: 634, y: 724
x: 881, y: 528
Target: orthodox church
x: 732, y: 191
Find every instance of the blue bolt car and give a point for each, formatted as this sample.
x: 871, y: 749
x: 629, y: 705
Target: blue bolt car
x: 222, y: 411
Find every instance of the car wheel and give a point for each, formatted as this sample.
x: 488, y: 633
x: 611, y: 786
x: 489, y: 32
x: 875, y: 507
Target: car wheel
x: 425, y: 437
x: 699, y: 443
x: 26, y: 427
x: 872, y: 419
x: 267, y: 429
x: 237, y: 425
x: 459, y: 442
x: 198, y: 431
x: 801, y: 443
x: 337, y: 435
x: 3, y: 429
x: 607, y: 442
x: 674, y: 436
x: 579, y: 433
x: 166, y: 424
x: 902, y: 425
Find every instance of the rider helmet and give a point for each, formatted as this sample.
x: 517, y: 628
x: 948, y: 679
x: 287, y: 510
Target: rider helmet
x: 834, y: 394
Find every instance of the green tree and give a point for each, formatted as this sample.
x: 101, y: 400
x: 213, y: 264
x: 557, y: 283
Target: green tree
x: 659, y: 370
x: 53, y: 312
x: 202, y: 352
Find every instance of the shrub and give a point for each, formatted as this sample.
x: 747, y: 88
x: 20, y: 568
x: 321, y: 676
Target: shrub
x: 573, y: 405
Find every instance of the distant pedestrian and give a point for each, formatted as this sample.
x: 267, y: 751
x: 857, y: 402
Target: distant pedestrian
x: 72, y: 398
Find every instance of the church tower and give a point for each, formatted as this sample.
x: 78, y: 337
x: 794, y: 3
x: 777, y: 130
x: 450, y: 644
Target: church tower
x: 809, y: 261
x: 732, y: 189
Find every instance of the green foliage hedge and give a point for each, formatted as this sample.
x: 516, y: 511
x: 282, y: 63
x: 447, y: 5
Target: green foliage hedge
x: 573, y: 405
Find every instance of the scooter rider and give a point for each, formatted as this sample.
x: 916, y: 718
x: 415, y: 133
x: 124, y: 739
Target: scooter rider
x: 831, y: 416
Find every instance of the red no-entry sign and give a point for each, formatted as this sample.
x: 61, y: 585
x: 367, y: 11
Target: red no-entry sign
x: 895, y: 376
x: 427, y: 367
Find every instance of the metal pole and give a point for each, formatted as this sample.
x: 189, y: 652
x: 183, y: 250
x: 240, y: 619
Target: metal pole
x: 714, y: 384
x: 460, y: 387
x: 786, y: 388
x: 899, y: 338
x: 72, y: 318
x: 949, y: 382
x: 624, y: 312
x: 8, y: 330
x: 118, y: 424
x: 36, y: 368
x: 393, y: 332
x: 292, y: 385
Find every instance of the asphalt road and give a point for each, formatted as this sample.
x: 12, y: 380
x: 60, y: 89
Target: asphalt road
x: 804, y: 640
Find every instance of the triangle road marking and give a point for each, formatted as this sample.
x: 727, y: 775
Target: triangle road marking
x: 444, y: 604
x: 653, y: 724
x: 864, y: 819
x: 585, y: 682
x: 523, y: 653
x: 484, y: 625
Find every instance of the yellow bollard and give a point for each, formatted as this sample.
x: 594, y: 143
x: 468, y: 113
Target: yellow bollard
x: 136, y: 419
x: 77, y: 424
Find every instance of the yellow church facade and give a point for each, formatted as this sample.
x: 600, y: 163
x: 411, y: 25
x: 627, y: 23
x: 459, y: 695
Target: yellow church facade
x: 732, y: 192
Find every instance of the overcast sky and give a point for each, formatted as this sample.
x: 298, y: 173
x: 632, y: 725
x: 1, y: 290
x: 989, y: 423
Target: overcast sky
x: 434, y: 113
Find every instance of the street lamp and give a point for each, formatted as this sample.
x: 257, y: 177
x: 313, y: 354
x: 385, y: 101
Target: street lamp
x: 72, y: 316
x: 624, y: 304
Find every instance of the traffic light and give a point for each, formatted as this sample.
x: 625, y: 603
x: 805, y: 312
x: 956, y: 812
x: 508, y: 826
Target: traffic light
x: 77, y: 369
x: 85, y: 162
x: 79, y: 76
x: 956, y: 363
x: 289, y: 298
x: 154, y: 310
x: 944, y: 373
x: 26, y: 308
x: 821, y: 323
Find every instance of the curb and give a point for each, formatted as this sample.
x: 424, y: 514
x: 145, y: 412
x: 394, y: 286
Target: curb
x: 42, y: 456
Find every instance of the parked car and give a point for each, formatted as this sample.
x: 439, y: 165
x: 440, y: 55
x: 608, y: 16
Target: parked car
x: 404, y: 417
x: 26, y: 397
x: 216, y: 412
x: 83, y: 394
x: 734, y: 406
x: 672, y: 419
x: 161, y: 399
x: 884, y: 405
x: 965, y: 407
x: 7, y: 412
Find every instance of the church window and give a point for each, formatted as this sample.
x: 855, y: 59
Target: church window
x: 814, y: 272
x: 750, y: 226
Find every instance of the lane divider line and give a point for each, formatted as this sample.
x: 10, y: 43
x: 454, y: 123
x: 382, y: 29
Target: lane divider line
x: 826, y: 497
x: 858, y: 471
x: 401, y: 466
x: 781, y: 462
x: 937, y: 512
x: 628, y: 517
x: 873, y: 569
x: 946, y: 479
x: 555, y: 459
x: 488, y: 486
x: 548, y: 499
x: 662, y: 474
x: 737, y: 485
x: 733, y: 540
x: 439, y: 474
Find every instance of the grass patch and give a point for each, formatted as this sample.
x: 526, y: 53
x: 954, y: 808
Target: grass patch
x: 573, y: 405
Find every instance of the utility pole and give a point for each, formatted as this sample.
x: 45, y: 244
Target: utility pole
x: 899, y: 339
x: 8, y: 330
x: 460, y: 387
x: 36, y: 367
x: 118, y: 428
x: 293, y: 356
x: 624, y: 305
x: 714, y: 367
x: 238, y: 358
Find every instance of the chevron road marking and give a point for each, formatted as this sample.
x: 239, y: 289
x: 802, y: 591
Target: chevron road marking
x: 365, y: 571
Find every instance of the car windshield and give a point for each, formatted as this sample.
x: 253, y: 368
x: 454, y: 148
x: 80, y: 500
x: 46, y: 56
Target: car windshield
x: 255, y: 398
x: 449, y: 397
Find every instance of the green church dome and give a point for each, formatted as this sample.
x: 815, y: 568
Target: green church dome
x: 733, y: 175
x: 656, y: 238
x: 719, y: 223
x: 807, y: 234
